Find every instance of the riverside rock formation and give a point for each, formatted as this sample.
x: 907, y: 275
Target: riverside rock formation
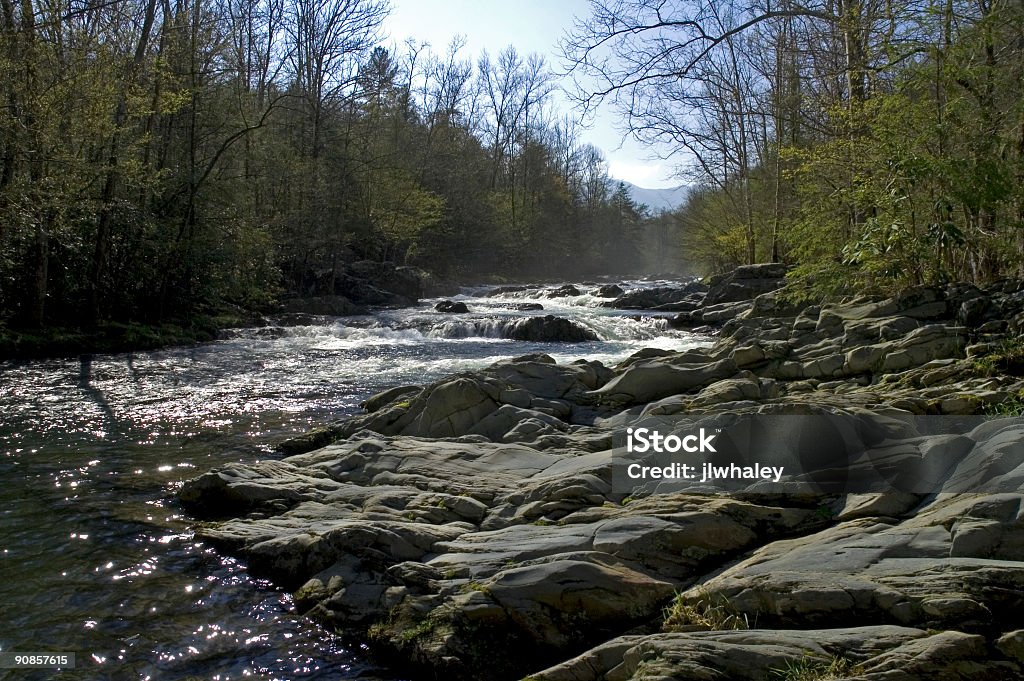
x: 470, y: 529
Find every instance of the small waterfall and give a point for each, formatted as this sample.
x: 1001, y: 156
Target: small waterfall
x: 631, y: 328
x: 468, y: 328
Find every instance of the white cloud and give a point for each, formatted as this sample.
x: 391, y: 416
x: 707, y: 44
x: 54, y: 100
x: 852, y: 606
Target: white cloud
x: 649, y: 174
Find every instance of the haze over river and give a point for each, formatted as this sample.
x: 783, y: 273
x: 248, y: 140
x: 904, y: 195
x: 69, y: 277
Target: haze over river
x: 96, y: 556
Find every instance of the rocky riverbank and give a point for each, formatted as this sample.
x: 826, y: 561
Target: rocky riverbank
x: 469, y: 528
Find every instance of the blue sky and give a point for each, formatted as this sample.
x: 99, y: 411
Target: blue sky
x: 531, y: 26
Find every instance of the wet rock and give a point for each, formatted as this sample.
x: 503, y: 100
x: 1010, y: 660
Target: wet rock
x: 505, y: 290
x: 524, y: 307
x: 688, y: 304
x: 382, y: 399
x: 607, y: 291
x: 451, y: 307
x: 564, y: 291
x: 549, y: 329
x: 643, y: 299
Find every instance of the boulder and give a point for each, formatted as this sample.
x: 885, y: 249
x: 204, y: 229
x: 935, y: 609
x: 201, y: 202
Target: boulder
x: 505, y: 290
x: 382, y: 399
x: 451, y: 307
x: 524, y: 307
x: 549, y: 329
x: 366, y: 293
x: 745, y: 283
x: 451, y: 408
x: 607, y: 291
x: 398, y: 280
x: 649, y: 381
x: 564, y: 291
x: 647, y: 298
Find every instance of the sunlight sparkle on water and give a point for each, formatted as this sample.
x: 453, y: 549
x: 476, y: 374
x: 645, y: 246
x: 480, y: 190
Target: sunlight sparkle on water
x: 161, y: 416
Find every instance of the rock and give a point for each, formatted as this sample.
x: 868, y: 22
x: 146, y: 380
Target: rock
x: 643, y: 299
x: 505, y: 290
x: 975, y: 311
x: 772, y: 304
x: 728, y: 390
x: 943, y: 655
x: 880, y: 570
x: 367, y: 294
x: 752, y: 655
x: 451, y: 307
x: 373, y: 283
x: 745, y: 283
x: 549, y: 329
x: 649, y: 381
x: 564, y: 291
x: 451, y: 409
x: 607, y: 291
x: 688, y: 304
x: 748, y: 355
x: 382, y: 399
x: 521, y: 424
x: 399, y: 281
x: 720, y: 313
x: 473, y: 527
x: 1011, y: 644
x: 524, y: 307
x: 683, y: 320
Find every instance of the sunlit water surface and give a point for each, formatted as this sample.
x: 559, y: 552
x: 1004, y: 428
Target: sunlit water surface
x: 96, y: 556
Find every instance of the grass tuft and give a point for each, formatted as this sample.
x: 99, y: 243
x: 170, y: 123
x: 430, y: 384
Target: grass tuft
x: 815, y: 669
x: 712, y: 613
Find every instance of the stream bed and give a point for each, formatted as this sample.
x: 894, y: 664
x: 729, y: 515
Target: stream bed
x: 96, y: 555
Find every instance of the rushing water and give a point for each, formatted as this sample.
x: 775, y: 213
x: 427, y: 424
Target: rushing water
x: 96, y: 556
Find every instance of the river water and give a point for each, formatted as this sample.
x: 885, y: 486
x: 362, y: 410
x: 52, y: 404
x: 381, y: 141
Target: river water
x: 96, y: 556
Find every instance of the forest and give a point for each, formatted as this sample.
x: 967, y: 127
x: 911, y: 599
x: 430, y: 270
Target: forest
x: 163, y: 159
x: 873, y: 145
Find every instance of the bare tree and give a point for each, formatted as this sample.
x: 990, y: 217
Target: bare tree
x: 326, y: 39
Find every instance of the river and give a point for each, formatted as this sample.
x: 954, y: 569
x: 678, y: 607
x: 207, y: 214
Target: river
x: 96, y: 556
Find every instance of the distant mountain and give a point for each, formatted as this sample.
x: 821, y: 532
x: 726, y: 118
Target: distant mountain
x: 656, y: 199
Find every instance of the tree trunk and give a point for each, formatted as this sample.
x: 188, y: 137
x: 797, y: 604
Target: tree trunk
x: 101, y: 245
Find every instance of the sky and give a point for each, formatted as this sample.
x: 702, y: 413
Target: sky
x: 530, y: 26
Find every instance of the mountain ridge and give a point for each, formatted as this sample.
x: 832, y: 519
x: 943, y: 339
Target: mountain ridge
x: 658, y: 200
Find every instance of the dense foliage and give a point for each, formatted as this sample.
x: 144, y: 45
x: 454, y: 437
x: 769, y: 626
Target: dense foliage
x: 871, y: 144
x: 161, y: 158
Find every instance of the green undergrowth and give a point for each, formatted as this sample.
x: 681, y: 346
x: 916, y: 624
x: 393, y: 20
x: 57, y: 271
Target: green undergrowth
x: 1012, y: 406
x: 1006, y: 358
